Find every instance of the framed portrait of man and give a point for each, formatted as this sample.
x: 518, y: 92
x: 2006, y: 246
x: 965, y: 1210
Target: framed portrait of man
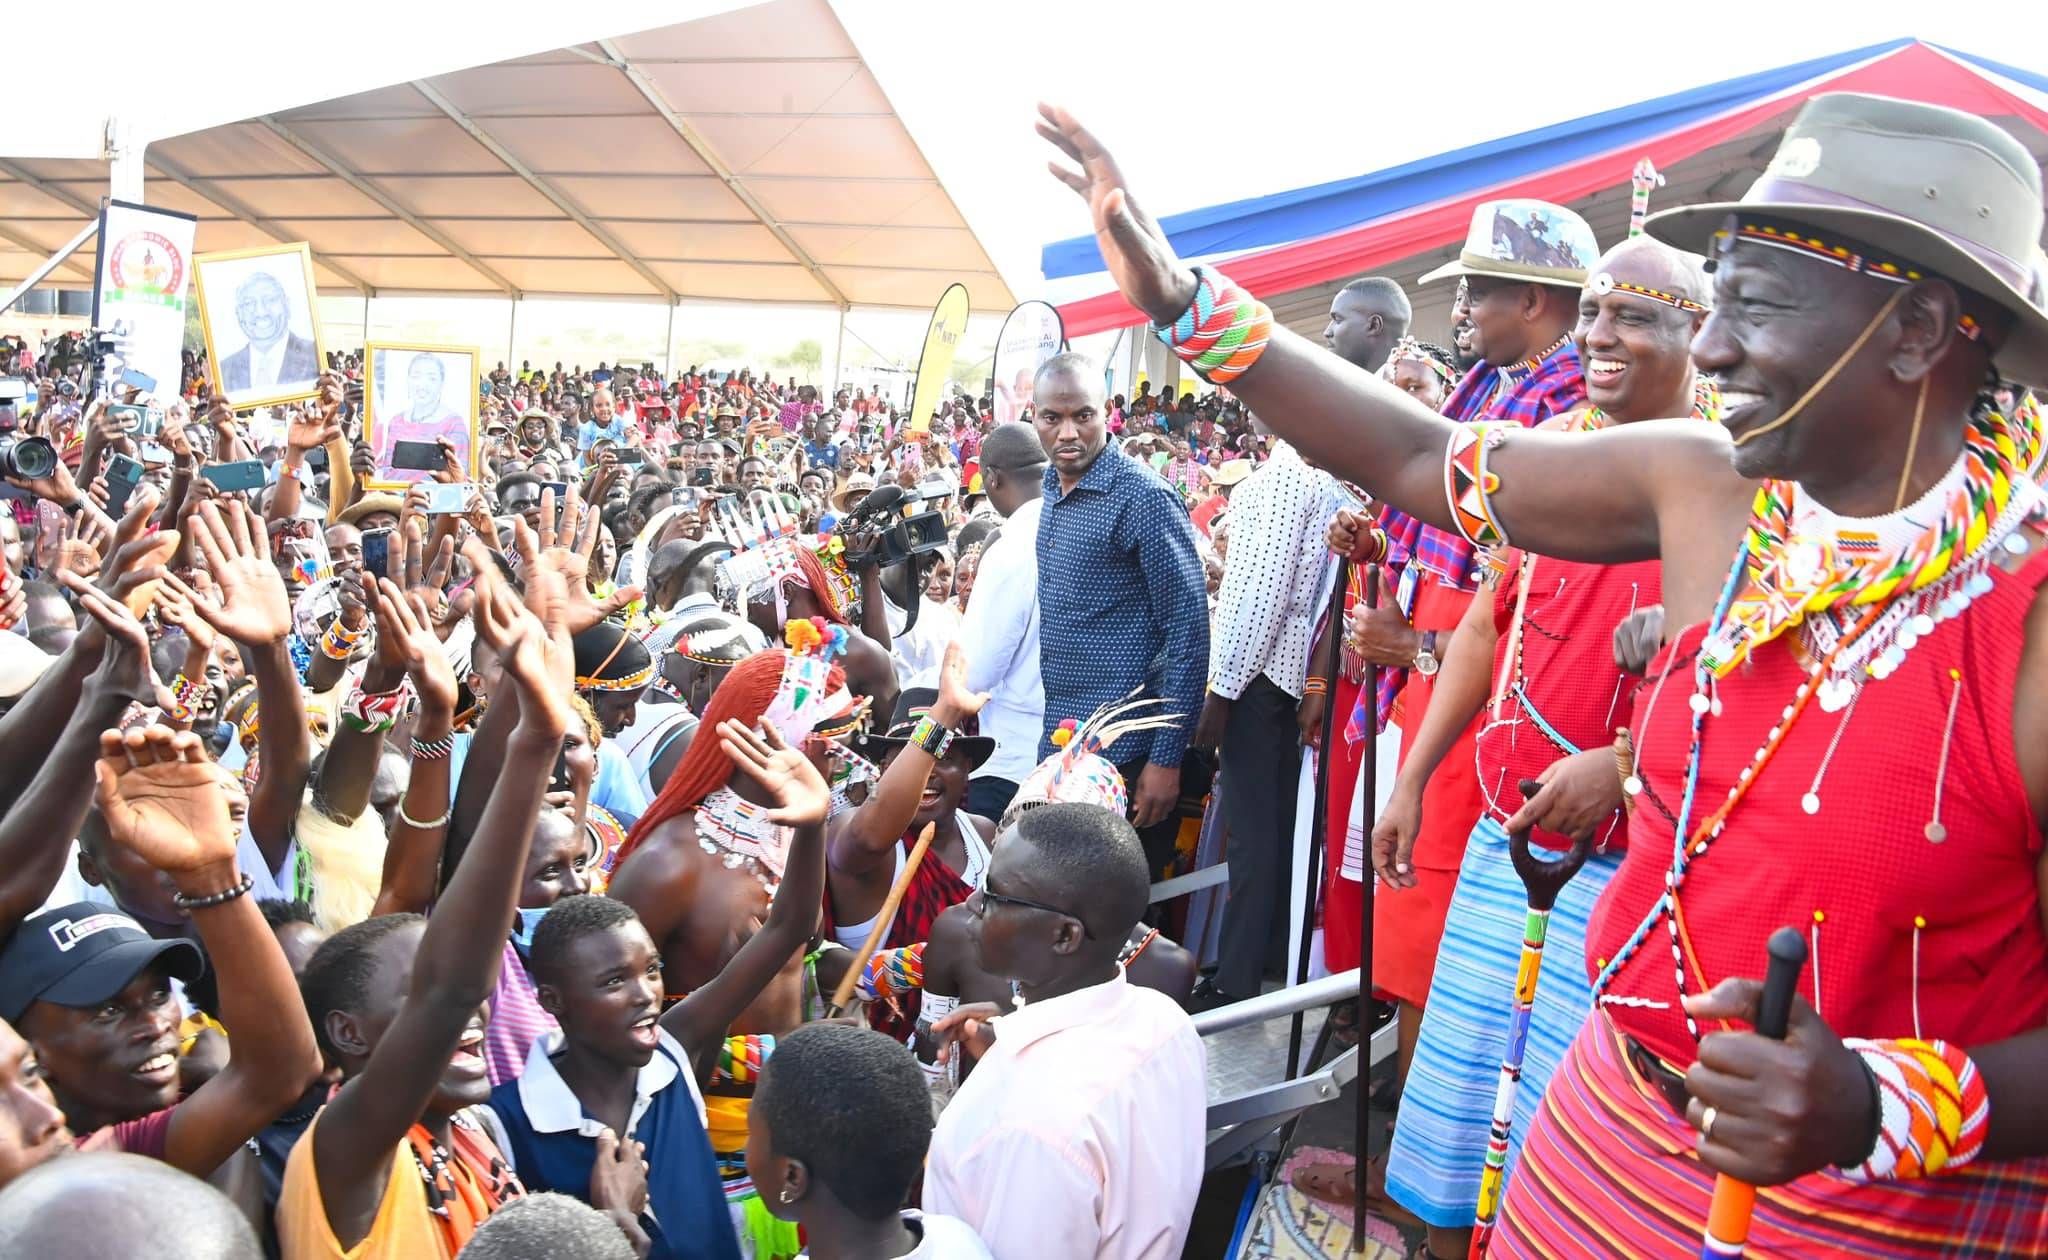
x: 262, y: 327
x: 418, y: 393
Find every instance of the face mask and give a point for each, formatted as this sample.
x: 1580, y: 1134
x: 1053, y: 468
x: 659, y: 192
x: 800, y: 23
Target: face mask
x: 522, y: 929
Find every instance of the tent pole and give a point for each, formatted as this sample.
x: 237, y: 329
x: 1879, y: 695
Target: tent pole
x: 838, y: 352
x: 668, y: 343
x: 124, y: 162
x: 366, y: 327
x: 56, y: 260
x: 511, y: 332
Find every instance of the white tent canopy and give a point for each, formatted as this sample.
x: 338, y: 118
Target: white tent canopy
x: 747, y: 155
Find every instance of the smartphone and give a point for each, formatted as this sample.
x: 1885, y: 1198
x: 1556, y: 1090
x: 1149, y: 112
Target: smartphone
x: 242, y: 474
x: 702, y: 476
x: 448, y: 499
x: 377, y: 552
x: 630, y: 455
x: 138, y: 380
x: 317, y: 458
x: 419, y: 456
x: 561, y: 489
x: 124, y: 473
x: 558, y: 781
x: 128, y: 415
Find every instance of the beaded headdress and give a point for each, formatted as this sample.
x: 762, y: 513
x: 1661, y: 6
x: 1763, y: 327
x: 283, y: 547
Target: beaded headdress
x: 763, y: 537
x: 807, y: 696
x: 1077, y: 772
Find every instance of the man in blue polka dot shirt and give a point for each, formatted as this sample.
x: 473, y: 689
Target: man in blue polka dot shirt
x: 1122, y: 602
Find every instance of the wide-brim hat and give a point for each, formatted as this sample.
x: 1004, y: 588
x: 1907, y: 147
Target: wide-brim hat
x: 1231, y: 472
x: 910, y: 706
x: 371, y: 504
x: 858, y: 486
x: 1522, y: 239
x: 1941, y: 189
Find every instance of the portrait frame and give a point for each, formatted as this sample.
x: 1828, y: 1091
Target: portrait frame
x: 381, y: 370
x: 223, y: 267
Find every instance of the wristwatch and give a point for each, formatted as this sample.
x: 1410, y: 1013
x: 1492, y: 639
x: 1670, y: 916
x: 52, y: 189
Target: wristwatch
x: 1426, y: 662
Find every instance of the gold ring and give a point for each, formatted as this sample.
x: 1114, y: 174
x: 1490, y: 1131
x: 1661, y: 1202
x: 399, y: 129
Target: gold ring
x: 1707, y: 1119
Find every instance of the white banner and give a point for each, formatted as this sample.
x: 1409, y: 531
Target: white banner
x: 139, y: 291
x: 1032, y: 334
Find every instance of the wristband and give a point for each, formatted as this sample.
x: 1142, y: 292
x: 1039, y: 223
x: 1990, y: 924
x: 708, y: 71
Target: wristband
x: 426, y: 825
x: 433, y: 749
x: 221, y: 898
x: 1470, y: 485
x: 185, y: 698
x: 339, y: 642
x: 1222, y: 332
x: 931, y: 737
x: 1313, y: 686
x: 380, y: 712
x: 1932, y: 1110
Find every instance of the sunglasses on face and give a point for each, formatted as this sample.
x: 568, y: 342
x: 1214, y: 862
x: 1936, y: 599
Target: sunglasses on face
x: 988, y: 897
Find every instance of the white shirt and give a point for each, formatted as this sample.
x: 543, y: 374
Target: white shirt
x: 552, y: 1107
x: 999, y: 634
x: 264, y: 365
x: 925, y: 646
x: 1106, y: 1160
x: 1271, y: 600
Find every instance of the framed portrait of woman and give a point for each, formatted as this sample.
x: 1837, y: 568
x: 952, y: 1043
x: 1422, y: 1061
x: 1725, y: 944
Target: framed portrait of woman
x: 418, y: 394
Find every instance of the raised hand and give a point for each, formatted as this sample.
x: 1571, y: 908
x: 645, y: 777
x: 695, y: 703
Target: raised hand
x: 161, y: 799
x: 956, y: 702
x: 87, y: 536
x: 406, y: 629
x: 1133, y: 247
x: 564, y: 551
x: 802, y: 798
x: 308, y: 428
x: 124, y: 666
x: 177, y: 604
x: 254, y: 608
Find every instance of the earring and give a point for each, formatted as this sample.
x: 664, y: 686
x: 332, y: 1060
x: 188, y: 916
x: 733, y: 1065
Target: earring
x: 786, y: 1197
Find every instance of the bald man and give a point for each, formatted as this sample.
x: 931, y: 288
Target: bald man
x: 90, y: 1207
x: 1366, y: 318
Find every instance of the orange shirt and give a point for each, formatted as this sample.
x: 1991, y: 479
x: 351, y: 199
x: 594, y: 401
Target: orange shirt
x: 404, y: 1228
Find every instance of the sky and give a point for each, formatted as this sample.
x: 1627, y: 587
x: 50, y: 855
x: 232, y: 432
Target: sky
x: 1201, y: 101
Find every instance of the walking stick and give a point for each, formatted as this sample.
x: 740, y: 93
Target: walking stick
x: 1543, y: 879
x: 1727, y: 1232
x: 1368, y: 788
x: 1319, y: 824
x: 883, y: 921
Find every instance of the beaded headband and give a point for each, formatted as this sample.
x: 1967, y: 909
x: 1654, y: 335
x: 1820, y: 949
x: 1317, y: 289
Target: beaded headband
x: 1409, y: 350
x: 631, y: 682
x: 1796, y: 240
x: 1604, y: 283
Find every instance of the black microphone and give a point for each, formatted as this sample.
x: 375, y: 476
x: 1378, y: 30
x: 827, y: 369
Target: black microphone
x: 880, y: 499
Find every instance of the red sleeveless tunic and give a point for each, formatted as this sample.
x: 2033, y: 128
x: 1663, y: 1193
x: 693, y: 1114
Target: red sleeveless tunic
x: 1567, y: 694
x: 934, y: 889
x: 1912, y: 937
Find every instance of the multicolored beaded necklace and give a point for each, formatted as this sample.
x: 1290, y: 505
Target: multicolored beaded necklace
x: 737, y: 831
x: 1991, y: 498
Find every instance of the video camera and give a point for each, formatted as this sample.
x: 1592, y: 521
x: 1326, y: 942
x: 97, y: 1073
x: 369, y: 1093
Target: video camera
x: 878, y: 531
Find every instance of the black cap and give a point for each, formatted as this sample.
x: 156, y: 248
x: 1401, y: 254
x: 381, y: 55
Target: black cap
x: 81, y: 955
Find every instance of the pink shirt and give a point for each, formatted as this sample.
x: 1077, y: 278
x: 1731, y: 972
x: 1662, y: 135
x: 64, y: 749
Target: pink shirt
x: 517, y: 1021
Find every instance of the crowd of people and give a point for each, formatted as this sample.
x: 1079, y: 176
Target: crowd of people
x: 719, y: 820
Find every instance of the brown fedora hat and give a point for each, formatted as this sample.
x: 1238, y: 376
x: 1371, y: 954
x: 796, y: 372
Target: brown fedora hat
x: 1947, y: 190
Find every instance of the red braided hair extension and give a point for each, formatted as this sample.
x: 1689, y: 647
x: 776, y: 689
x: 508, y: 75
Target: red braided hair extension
x: 815, y: 577
x: 743, y: 696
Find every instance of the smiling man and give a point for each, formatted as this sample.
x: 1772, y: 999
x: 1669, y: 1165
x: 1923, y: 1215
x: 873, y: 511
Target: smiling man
x: 1849, y: 738
x: 275, y: 355
x: 1123, y: 604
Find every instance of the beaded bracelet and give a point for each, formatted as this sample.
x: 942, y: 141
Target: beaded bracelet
x: 221, y: 898
x: 1223, y: 331
x: 1932, y: 1110
x: 1470, y: 485
x: 185, y: 698
x: 371, y: 713
x: 1313, y: 686
x: 433, y: 749
x: 339, y: 641
x: 931, y: 737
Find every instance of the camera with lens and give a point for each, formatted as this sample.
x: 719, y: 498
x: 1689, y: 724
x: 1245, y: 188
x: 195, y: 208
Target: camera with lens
x: 877, y: 532
x: 26, y: 458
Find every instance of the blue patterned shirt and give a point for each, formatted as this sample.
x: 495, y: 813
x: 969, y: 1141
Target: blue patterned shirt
x: 1122, y: 603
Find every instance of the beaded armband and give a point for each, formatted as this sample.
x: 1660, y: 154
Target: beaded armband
x: 1223, y: 331
x: 1469, y: 484
x: 370, y: 713
x: 1933, y: 1112
x: 931, y: 737
x: 185, y: 698
x: 339, y: 641
x: 888, y: 972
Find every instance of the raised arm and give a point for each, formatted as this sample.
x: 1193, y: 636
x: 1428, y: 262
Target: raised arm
x: 412, y: 859
x: 255, y: 612
x: 700, y: 1020
x: 167, y: 803
x: 456, y: 965
x: 342, y: 788
x: 1594, y: 497
x: 861, y: 845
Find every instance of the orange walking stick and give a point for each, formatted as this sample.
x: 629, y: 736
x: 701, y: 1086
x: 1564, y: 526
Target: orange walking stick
x: 883, y: 921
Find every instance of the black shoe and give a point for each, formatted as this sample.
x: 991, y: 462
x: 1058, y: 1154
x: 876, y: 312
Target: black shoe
x: 1205, y: 996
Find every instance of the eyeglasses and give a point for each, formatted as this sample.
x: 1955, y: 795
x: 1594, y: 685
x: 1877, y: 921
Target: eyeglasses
x: 987, y: 896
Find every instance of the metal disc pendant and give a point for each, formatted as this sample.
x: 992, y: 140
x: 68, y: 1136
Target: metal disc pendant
x: 1632, y: 785
x: 1936, y: 833
x: 1810, y: 803
x: 1699, y: 702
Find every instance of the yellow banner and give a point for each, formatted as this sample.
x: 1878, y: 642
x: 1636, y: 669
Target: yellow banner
x: 949, y: 322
